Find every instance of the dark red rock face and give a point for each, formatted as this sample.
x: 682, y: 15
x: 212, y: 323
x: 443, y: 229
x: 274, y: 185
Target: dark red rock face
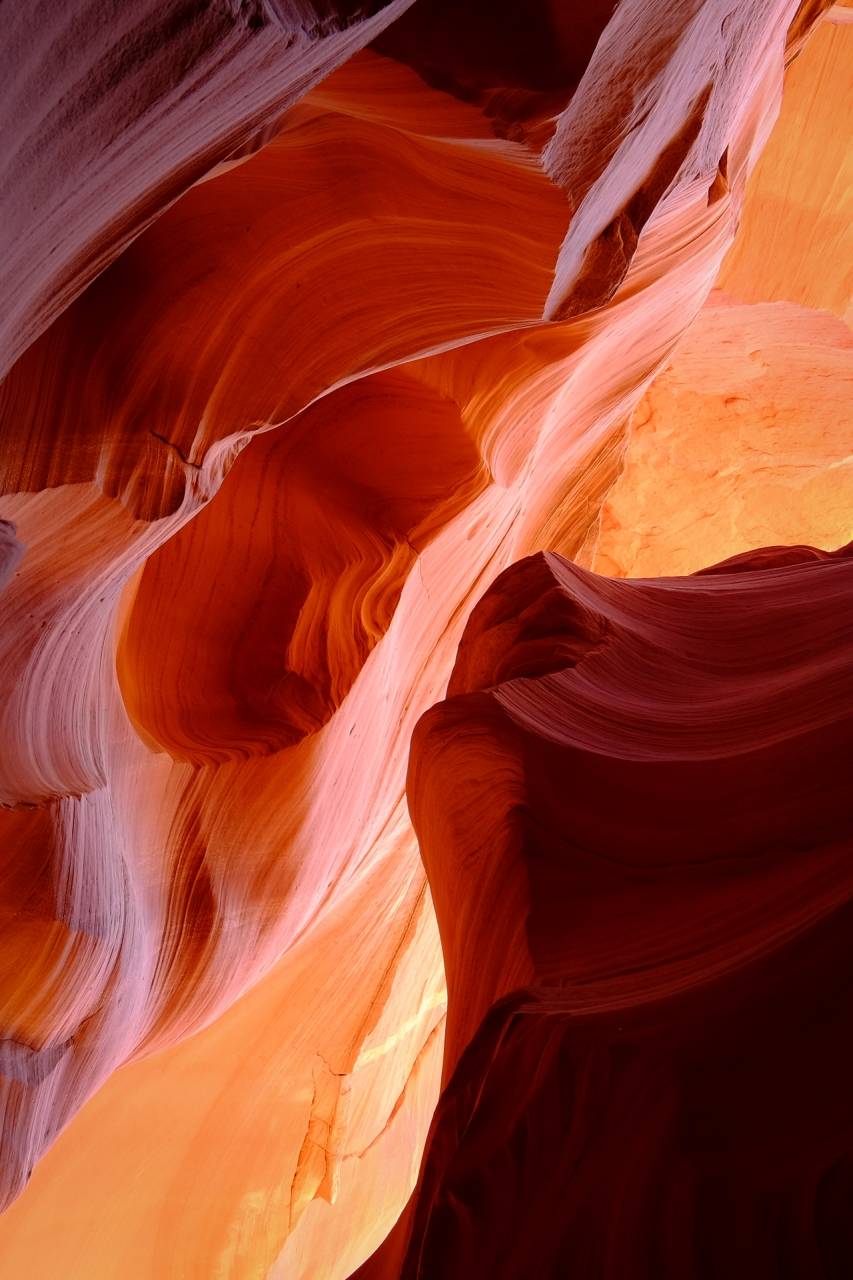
x: 641, y: 865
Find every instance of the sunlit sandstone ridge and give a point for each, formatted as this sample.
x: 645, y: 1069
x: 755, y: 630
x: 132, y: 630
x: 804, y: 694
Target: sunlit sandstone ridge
x: 300, y: 359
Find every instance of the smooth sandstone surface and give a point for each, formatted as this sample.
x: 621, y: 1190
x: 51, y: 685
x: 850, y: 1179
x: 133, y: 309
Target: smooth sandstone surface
x: 795, y: 241
x: 649, y: 1035
x: 744, y: 440
x: 112, y: 110
x: 308, y: 342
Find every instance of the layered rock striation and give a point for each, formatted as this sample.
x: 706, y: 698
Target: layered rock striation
x: 319, y: 317
x: 634, y: 812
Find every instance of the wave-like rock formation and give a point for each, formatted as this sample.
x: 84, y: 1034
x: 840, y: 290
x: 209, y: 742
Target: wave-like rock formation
x: 318, y: 316
x: 111, y: 110
x: 635, y: 815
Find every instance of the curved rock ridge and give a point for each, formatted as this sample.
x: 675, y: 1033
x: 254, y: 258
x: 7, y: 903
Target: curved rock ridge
x: 636, y: 822
x: 291, y: 382
x: 112, y: 110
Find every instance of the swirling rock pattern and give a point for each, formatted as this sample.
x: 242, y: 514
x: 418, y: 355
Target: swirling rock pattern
x: 319, y: 315
x: 649, y: 1035
x: 113, y: 110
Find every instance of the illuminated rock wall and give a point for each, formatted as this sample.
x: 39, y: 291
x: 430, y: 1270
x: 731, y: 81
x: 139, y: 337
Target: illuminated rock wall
x: 319, y: 317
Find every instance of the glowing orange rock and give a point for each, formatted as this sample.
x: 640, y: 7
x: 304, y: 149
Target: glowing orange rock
x: 744, y: 440
x: 113, y: 110
x: 259, y: 469
x: 795, y: 241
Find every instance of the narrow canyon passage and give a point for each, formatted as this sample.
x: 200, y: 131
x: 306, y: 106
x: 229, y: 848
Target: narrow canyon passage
x: 425, y: 644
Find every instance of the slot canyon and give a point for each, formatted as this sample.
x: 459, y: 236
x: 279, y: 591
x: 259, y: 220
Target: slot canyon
x: 426, y: 640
